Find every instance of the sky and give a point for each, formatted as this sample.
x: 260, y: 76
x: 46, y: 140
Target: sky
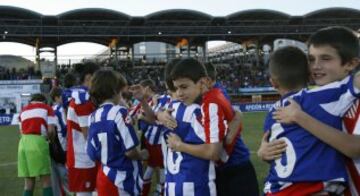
x: 145, y: 7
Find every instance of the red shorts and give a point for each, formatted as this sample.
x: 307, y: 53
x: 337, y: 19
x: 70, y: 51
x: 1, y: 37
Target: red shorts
x: 300, y: 189
x: 155, y: 155
x: 104, y: 186
x: 82, y: 180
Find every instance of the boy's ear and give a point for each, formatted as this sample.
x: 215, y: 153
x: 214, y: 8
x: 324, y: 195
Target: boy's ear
x: 203, y: 80
x: 274, y: 83
x: 204, y: 84
x: 209, y: 82
x: 352, y: 64
x: 87, y: 79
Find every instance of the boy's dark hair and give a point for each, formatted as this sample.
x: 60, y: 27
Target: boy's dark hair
x: 289, y: 66
x: 69, y: 80
x: 168, y: 68
x: 55, y: 92
x: 83, y: 69
x: 105, y: 84
x: 211, y: 71
x: 38, y: 97
x: 148, y: 83
x: 188, y: 68
x: 342, y: 39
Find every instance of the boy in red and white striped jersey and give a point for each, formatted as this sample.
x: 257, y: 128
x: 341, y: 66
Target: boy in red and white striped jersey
x: 37, y: 122
x: 81, y: 169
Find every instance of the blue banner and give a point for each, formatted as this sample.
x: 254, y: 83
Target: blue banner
x: 257, y: 90
x: 254, y: 107
x: 9, y: 119
x: 12, y: 119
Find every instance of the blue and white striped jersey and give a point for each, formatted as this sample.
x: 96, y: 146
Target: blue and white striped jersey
x: 307, y: 159
x: 79, y: 94
x: 109, y: 138
x: 186, y: 174
x: 153, y: 132
x: 60, y: 124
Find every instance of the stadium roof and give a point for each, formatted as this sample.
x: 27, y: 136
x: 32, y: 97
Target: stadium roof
x: 102, y: 26
x: 178, y: 14
x: 258, y: 14
x: 10, y: 12
x: 333, y: 13
x: 93, y: 14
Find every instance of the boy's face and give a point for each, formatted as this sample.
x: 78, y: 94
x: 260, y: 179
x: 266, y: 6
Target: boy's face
x: 87, y: 80
x: 187, y: 91
x: 325, y: 65
x: 58, y: 99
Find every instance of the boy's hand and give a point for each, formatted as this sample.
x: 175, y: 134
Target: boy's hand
x: 287, y: 114
x: 174, y: 142
x: 165, y: 118
x: 270, y: 151
x: 144, y: 154
x: 234, y: 128
x: 129, y: 120
x: 155, y: 99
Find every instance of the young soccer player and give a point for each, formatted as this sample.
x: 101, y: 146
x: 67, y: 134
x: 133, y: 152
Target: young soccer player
x: 215, y: 98
x: 238, y: 157
x: 59, y: 172
x: 237, y: 174
x: 333, y: 54
x: 150, y: 102
x: 187, y: 174
x: 69, y: 82
x: 37, y: 122
x: 155, y: 128
x: 55, y: 95
x: 300, y: 170
x: 111, y: 141
x: 81, y: 169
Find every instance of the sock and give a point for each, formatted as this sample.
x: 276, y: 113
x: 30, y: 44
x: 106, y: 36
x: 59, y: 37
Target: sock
x: 160, y: 189
x: 146, y: 188
x: 47, y: 191
x: 28, y: 193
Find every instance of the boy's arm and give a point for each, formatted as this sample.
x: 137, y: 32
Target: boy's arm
x: 149, y: 113
x: 51, y: 132
x: 347, y: 144
x: 129, y: 138
x: 269, y: 151
x: 135, y: 154
x: 51, y: 121
x: 204, y: 151
x: 234, y: 128
x: 138, y: 93
x: 91, y: 148
x: 83, y: 112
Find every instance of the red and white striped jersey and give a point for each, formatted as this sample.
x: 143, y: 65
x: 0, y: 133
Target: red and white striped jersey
x: 352, y: 126
x: 77, y: 118
x: 213, y: 116
x: 35, y: 118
